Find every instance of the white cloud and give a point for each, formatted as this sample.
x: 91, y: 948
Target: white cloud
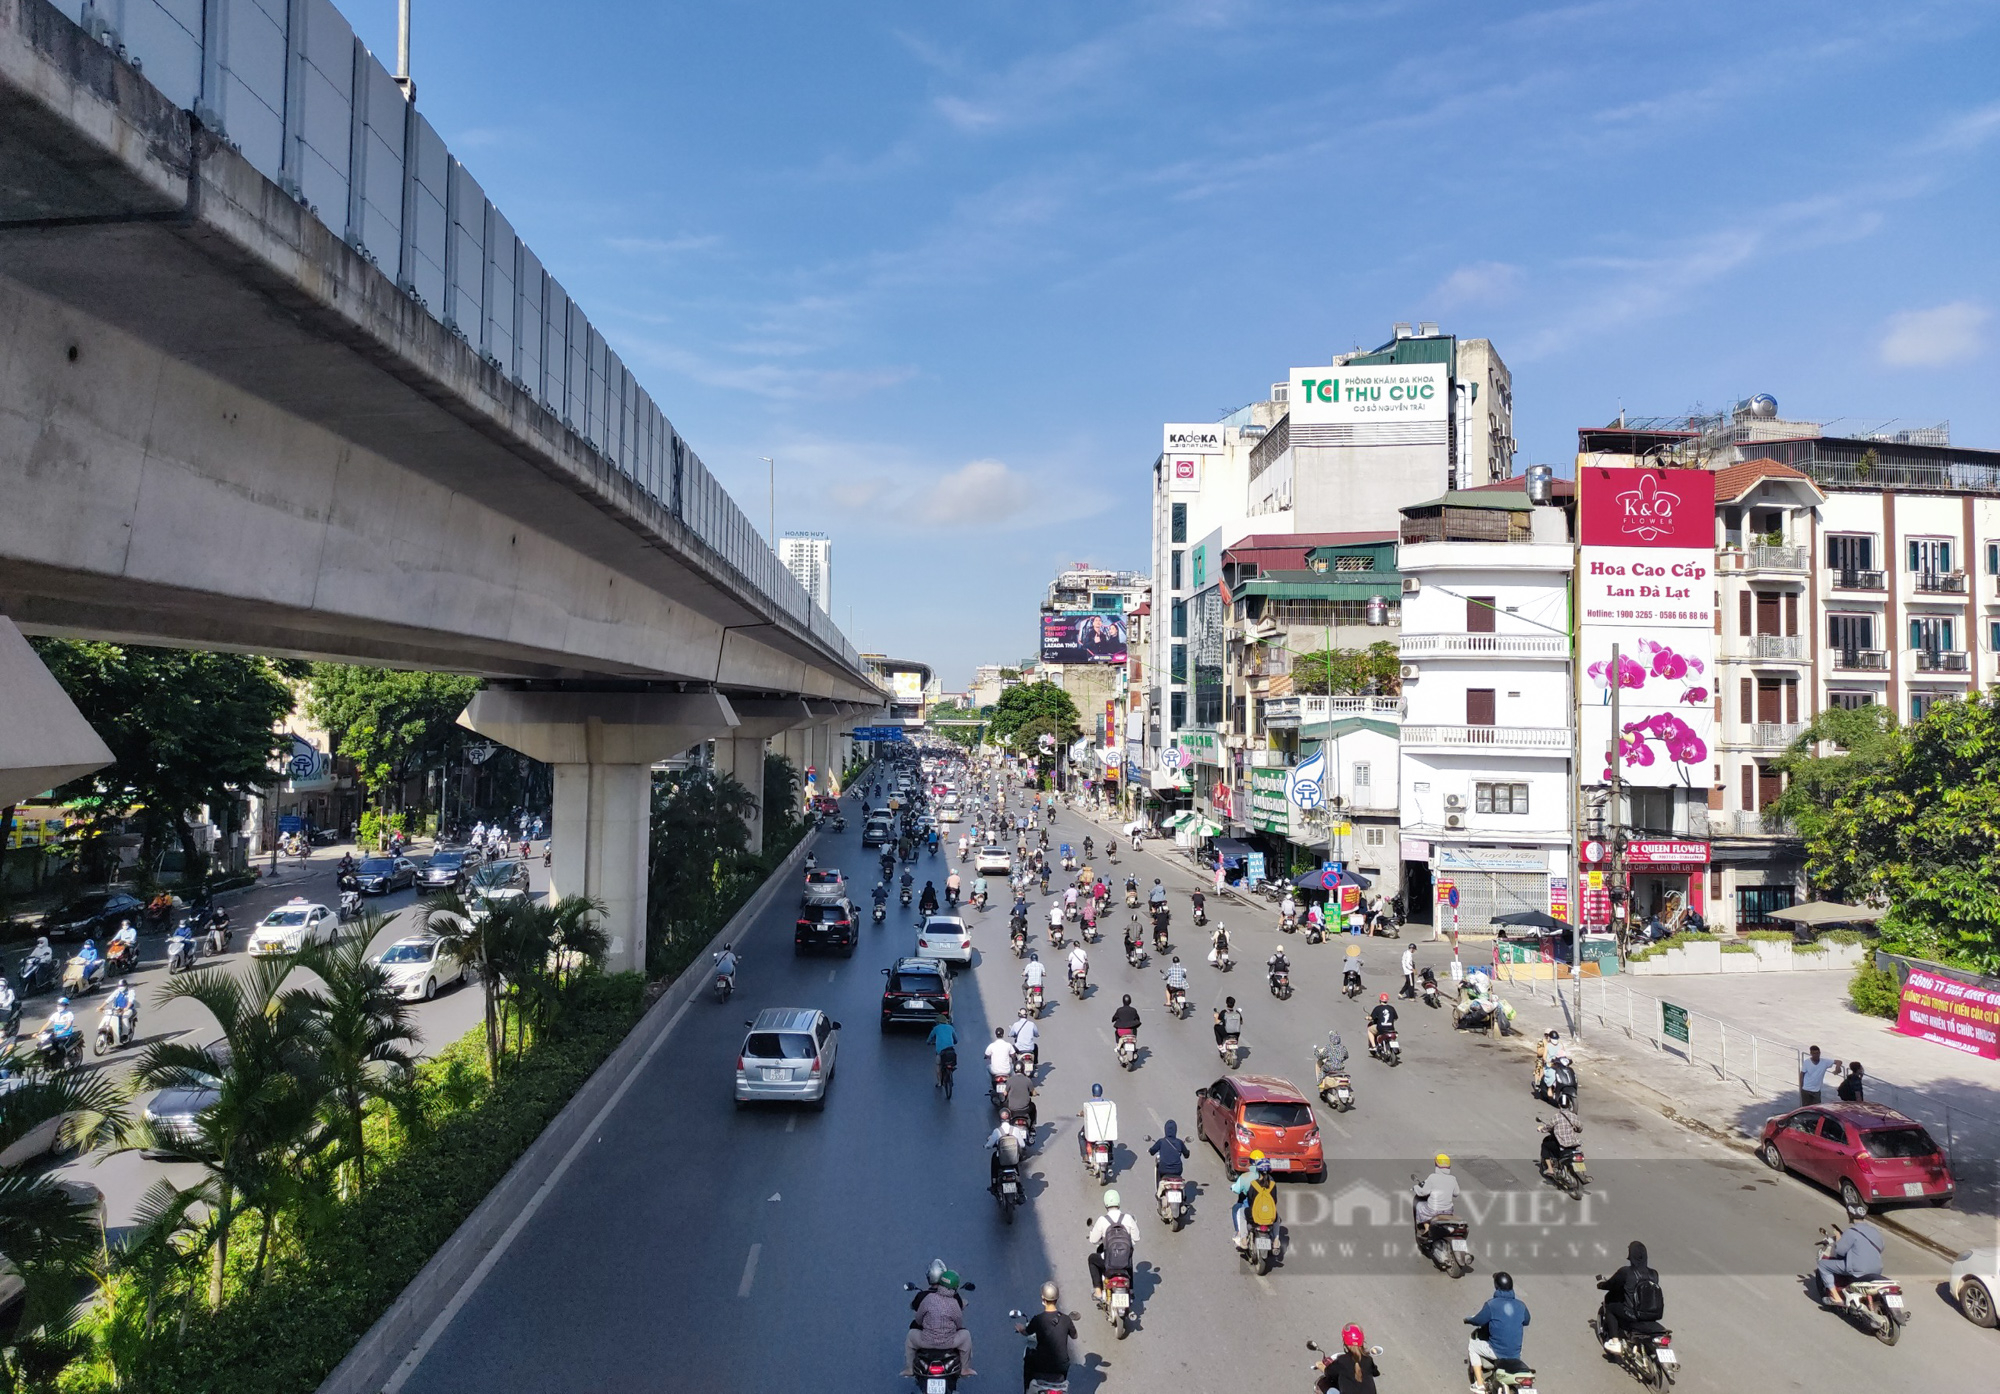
x: 663, y: 246
x: 1936, y: 337
x: 1481, y: 283
x: 982, y: 491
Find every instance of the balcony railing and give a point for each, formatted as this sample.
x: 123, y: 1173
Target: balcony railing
x: 1852, y: 580
x: 1940, y: 582
x: 1489, y: 737
x: 1943, y: 661
x: 1484, y: 646
x: 1791, y: 647
x: 1746, y: 824
x: 1761, y: 556
x: 1775, y: 735
x: 1288, y: 713
x: 1861, y: 660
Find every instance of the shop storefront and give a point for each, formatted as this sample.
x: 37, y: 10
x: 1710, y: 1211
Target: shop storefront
x: 1492, y: 881
x: 1666, y: 878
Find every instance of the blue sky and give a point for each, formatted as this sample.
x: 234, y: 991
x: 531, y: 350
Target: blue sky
x: 952, y: 265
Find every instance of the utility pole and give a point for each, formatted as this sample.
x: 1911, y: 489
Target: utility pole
x: 774, y: 499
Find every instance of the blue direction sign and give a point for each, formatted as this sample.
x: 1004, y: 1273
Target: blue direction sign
x: 878, y: 733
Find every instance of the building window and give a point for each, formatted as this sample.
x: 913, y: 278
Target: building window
x: 1932, y: 634
x: 1850, y: 634
x: 1363, y: 781
x: 1850, y: 552
x: 1993, y: 559
x: 1479, y: 706
x: 1922, y: 702
x: 1754, y: 904
x: 1850, y: 701
x: 1179, y: 630
x: 1177, y: 663
x: 1375, y: 838
x: 1354, y: 563
x: 1500, y: 798
x: 1930, y: 555
x: 1180, y: 523
x: 1993, y: 635
x: 1177, y: 570
x: 1177, y: 710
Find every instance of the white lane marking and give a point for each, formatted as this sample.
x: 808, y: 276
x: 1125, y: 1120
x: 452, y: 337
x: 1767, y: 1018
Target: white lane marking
x: 829, y: 974
x: 749, y: 1271
x: 1154, y: 1114
x: 792, y: 1124
x: 395, y: 1383
x: 1265, y: 1283
x: 1736, y: 1278
x: 1333, y: 1124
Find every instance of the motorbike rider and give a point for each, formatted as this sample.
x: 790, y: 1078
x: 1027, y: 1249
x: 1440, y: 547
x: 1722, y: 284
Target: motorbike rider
x: 1218, y: 944
x: 1437, y: 1194
x: 1379, y: 1016
x: 881, y: 895
x: 1631, y: 1295
x: 1079, y: 964
x: 127, y: 936
x: 940, y: 1323
x: 1559, y: 1139
x: 1177, y: 980
x: 1125, y: 1018
x: 1228, y: 1021
x: 1109, y: 1252
x: 62, y: 1021
x: 1251, y: 1188
x: 1020, y: 1100
x: 1135, y: 937
x: 1005, y: 1144
x: 978, y: 891
x: 1100, y: 1122
x: 10, y: 1008
x: 1353, y: 1371
x: 1048, y: 1359
x: 1277, y: 963
x: 1504, y: 1318
x: 41, y: 954
x: 1856, y: 1254
x: 1000, y: 1054
x: 1157, y: 895
x: 1288, y: 909
x: 927, y: 902
x: 812, y: 861
x: 124, y: 1005
x: 1033, y: 974
x: 907, y: 881
x: 1025, y: 1033
x: 725, y: 964
x: 1409, y: 988
x: 183, y: 934
x: 888, y: 865
x: 1170, y: 1152
x: 951, y: 887
x: 1088, y: 848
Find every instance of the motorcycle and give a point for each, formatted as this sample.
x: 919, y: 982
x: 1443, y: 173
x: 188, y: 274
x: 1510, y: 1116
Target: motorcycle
x: 1230, y: 1050
x: 181, y: 954
x: 1288, y: 922
x: 1281, y: 983
x: 1219, y: 959
x: 1031, y: 998
x: 980, y: 900
x: 1128, y: 1049
x: 1177, y: 1002
x: 1562, y: 1092
x: 115, y: 1029
x: 881, y: 911
x: 725, y: 984
x: 10, y: 1021
x: 1350, y: 982
x: 1427, y: 988
x: 839, y: 824
x: 1019, y: 939
x: 1503, y: 1376
x: 1877, y: 1303
x: 1645, y: 1348
x: 1116, y: 1303
x: 1135, y: 954
x: 938, y: 1371
x: 81, y: 976
x: 1336, y: 1090
x: 1446, y: 1241
x: 350, y: 905
x: 905, y: 898
x: 60, y: 1051
x: 1132, y: 897
x: 1057, y: 939
x: 1044, y: 1384
x: 1386, y: 1047
x: 1161, y: 944
x: 1169, y: 1193
x: 1200, y: 916
x: 1315, y: 932
x: 1007, y: 1191
x: 996, y: 1088
x: 1097, y: 1160
x: 1079, y: 985
x: 34, y: 976
x: 1571, y: 1175
x: 1259, y: 1244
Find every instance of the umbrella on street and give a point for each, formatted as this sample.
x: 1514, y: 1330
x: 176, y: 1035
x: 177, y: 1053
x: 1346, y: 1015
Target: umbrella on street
x: 1204, y: 827
x: 1533, y: 919
x: 1818, y: 914
x: 1181, y: 819
x: 1321, y: 879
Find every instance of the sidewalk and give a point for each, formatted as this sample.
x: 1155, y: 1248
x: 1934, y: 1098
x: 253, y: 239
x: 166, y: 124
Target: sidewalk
x: 1740, y: 1066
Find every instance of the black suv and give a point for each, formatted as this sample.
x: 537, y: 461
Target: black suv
x: 918, y: 990
x: 825, y: 922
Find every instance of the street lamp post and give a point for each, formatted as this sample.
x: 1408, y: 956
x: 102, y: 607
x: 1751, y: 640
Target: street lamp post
x: 403, y: 78
x: 774, y: 499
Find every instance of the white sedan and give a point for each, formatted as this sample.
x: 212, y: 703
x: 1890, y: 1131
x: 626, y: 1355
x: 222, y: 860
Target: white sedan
x: 292, y: 926
x: 419, y: 965
x: 994, y: 861
x: 1975, y: 1278
x: 945, y: 937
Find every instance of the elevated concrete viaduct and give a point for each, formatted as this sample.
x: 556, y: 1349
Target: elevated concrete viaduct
x: 225, y: 424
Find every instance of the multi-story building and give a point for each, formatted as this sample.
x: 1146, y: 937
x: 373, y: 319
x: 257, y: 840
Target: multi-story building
x: 809, y: 557
x: 1487, y: 735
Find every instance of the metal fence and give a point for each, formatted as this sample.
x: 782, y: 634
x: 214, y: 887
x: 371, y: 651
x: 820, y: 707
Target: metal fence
x: 1766, y: 1066
x: 291, y: 88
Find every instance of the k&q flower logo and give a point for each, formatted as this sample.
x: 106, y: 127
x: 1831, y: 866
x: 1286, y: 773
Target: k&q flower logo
x: 1647, y: 512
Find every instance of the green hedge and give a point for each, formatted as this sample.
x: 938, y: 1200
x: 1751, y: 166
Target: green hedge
x: 1875, y: 991
x: 335, y: 1277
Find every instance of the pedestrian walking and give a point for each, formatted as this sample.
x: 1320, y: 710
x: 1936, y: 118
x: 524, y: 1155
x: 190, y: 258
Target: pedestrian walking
x: 1812, y: 1076
x: 1851, y: 1086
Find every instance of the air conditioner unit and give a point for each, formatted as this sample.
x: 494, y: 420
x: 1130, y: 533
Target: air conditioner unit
x: 1411, y: 672
x: 1454, y: 821
x: 1411, y: 585
x: 1454, y: 801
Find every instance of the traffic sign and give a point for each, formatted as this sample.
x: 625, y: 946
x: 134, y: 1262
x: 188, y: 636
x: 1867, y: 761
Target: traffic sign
x: 1452, y: 898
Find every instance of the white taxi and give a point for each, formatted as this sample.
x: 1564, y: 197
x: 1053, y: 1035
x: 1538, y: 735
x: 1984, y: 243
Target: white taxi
x: 292, y: 926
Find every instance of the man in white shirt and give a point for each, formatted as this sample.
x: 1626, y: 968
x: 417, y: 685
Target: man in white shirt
x: 1033, y: 974
x: 1079, y: 964
x: 1812, y: 1076
x: 1000, y: 1054
x: 1409, y: 970
x: 1024, y: 1035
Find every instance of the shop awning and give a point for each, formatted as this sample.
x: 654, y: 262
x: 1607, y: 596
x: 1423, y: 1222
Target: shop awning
x: 1231, y: 851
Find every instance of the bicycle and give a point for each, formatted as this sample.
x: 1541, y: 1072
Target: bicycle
x: 947, y: 1065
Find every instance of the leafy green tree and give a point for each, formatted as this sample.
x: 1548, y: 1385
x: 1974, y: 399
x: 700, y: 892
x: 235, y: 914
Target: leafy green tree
x: 1915, y: 822
x: 186, y: 728
x: 390, y: 723
x: 1377, y: 669
x: 449, y: 916
x: 361, y: 1038
x: 696, y: 859
x: 1867, y: 743
x: 784, y: 783
x: 1041, y: 702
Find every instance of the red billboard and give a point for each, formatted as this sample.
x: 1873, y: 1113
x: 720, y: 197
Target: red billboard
x: 1964, y: 1016
x: 1647, y: 508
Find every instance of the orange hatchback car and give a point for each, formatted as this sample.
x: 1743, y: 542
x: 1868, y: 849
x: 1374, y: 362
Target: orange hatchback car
x: 1241, y: 1114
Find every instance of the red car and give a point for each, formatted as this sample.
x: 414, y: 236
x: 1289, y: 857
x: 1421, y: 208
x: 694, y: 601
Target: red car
x: 1241, y: 1114
x: 1871, y: 1154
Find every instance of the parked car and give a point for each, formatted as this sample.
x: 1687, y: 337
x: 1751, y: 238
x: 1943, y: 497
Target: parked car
x: 1241, y: 1114
x: 825, y: 922
x: 175, y: 1113
x: 418, y: 965
x: 945, y: 937
x: 918, y: 990
x: 1975, y: 1277
x: 94, y: 916
x: 386, y: 875
x: 1869, y: 1154
x: 292, y: 926
x: 994, y: 861
x: 444, y: 870
x: 788, y: 1056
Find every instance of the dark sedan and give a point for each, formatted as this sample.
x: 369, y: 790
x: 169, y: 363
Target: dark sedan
x: 443, y: 871
x: 94, y: 916
x: 386, y: 875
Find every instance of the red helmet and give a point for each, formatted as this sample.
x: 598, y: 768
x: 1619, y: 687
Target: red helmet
x: 1383, y: 998
x: 1350, y: 1335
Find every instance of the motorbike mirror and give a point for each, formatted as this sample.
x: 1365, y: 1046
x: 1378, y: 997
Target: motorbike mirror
x: 1312, y: 1345
x: 967, y: 1287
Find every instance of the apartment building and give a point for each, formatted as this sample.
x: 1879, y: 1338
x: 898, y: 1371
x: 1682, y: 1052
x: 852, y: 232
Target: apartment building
x: 1486, y: 736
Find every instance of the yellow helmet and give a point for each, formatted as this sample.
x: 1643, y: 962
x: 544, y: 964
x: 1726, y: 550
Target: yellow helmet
x: 1256, y: 1156
x: 1443, y: 1160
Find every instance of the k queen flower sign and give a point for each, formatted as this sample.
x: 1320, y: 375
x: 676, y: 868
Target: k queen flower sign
x: 1646, y: 584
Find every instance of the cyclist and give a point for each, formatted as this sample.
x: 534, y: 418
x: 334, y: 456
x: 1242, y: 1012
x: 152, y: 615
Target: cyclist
x: 944, y: 1040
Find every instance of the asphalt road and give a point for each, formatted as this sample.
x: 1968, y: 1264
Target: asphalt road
x: 698, y: 1247
x: 125, y: 1177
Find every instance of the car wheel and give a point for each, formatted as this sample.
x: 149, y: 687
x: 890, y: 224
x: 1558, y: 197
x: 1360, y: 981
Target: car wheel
x: 430, y: 988
x: 1850, y: 1197
x: 1975, y: 1300
x: 1768, y: 1154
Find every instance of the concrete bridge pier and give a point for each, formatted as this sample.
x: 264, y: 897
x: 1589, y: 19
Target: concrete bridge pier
x: 741, y: 753
x: 603, y: 746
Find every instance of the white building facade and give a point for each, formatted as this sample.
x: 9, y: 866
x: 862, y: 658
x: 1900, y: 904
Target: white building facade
x: 809, y: 557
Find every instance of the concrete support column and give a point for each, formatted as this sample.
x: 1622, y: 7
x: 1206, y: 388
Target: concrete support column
x: 742, y: 758
x: 603, y: 746
x: 759, y: 720
x: 44, y: 740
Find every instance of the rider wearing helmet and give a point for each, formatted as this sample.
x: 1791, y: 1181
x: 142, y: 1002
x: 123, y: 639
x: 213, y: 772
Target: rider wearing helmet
x: 1176, y: 976
x: 1504, y: 1320
x: 1048, y: 1358
x: 1107, y: 1253
x: 1253, y: 1185
x: 940, y: 1323
x: 1353, y: 1371
x: 1380, y: 1015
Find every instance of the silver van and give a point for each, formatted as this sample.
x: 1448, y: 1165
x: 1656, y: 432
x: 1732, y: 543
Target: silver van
x: 788, y: 1055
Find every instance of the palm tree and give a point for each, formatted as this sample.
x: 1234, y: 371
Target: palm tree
x: 466, y: 936
x: 51, y: 1234
x: 358, y: 1032
x: 268, y: 1090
